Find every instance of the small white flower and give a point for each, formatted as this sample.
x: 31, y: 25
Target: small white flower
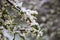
x: 34, y: 23
x: 34, y: 12
x: 28, y: 14
x: 28, y: 10
x: 19, y: 4
x: 23, y: 9
x: 41, y: 33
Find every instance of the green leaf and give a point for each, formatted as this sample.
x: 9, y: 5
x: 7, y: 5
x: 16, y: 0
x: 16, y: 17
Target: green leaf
x: 36, y: 27
x: 34, y: 15
x: 22, y: 13
x: 14, y: 7
x: 4, y: 12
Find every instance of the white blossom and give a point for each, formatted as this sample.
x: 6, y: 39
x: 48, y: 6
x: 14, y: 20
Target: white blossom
x: 27, y: 14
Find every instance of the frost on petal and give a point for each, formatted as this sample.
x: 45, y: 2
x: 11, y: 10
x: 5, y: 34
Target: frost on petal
x: 23, y: 9
x: 19, y: 4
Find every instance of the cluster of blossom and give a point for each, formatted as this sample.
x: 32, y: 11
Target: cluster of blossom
x: 29, y: 16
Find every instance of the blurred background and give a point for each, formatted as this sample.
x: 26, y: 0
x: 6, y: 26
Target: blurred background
x: 48, y: 16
